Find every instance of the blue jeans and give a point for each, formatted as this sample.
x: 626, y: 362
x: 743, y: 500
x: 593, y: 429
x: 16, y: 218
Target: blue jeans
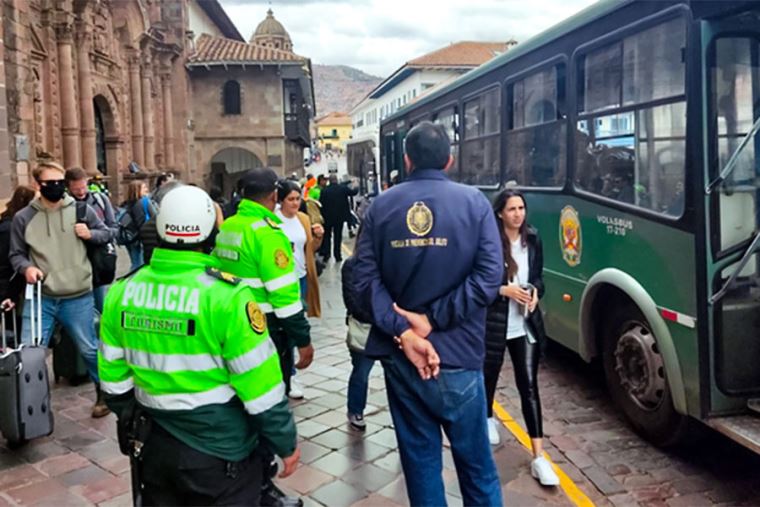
x: 77, y: 316
x: 99, y: 293
x: 358, y: 382
x: 135, y: 251
x: 456, y: 403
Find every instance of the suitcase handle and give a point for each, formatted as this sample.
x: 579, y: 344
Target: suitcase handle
x: 34, y: 296
x: 3, y: 311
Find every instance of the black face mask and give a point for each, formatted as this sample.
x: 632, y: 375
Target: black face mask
x: 53, y: 190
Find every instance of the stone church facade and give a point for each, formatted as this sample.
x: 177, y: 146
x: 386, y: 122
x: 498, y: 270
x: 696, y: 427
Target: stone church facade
x: 112, y: 84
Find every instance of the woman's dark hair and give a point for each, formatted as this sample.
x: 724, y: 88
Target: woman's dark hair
x: 285, y: 187
x: 22, y: 196
x: 498, y: 206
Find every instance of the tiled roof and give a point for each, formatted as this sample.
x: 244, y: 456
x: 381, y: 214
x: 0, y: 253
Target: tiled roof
x: 461, y: 54
x: 211, y: 50
x: 333, y: 120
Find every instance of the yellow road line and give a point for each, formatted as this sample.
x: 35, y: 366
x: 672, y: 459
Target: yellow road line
x: 574, y: 494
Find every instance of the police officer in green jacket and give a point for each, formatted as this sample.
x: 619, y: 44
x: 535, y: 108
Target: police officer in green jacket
x: 188, y: 345
x: 252, y: 246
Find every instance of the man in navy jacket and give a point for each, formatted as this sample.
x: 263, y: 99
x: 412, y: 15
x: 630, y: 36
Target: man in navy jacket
x: 429, y: 263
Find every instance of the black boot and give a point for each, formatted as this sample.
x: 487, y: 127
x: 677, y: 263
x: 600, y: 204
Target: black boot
x: 100, y: 409
x: 272, y: 496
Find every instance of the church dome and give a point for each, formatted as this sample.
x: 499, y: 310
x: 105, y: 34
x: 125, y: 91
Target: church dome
x: 270, y: 32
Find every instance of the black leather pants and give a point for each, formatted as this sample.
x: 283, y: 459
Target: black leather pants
x: 524, y: 357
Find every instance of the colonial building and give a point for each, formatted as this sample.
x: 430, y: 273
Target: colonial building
x: 252, y: 104
x: 113, y: 84
x: 333, y: 131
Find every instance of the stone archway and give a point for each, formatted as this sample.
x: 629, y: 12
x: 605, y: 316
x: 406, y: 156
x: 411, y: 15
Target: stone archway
x: 228, y: 164
x: 108, y: 140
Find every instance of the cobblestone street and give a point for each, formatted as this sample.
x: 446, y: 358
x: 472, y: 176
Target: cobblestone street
x: 80, y: 463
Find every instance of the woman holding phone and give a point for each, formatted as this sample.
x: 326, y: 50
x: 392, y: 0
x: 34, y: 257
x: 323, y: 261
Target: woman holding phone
x: 514, y: 322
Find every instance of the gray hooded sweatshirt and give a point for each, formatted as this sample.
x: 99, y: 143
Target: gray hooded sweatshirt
x: 45, y: 238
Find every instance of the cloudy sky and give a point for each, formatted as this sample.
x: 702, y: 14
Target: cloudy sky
x: 378, y: 36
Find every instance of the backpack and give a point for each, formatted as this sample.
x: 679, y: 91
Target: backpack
x: 129, y: 228
x: 102, y: 257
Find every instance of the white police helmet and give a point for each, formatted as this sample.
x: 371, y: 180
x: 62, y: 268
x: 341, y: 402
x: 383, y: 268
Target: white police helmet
x: 187, y: 216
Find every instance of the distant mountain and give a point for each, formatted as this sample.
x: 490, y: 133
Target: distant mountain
x: 340, y: 88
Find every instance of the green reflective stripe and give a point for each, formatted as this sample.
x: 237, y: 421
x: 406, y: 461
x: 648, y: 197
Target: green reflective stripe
x: 253, y: 383
x: 287, y: 311
x: 255, y: 283
x: 168, y: 363
x: 185, y: 401
x: 280, y: 282
x: 265, y: 401
x: 253, y: 358
x: 264, y: 307
x: 258, y: 225
x: 157, y: 382
x: 116, y: 388
x: 111, y: 352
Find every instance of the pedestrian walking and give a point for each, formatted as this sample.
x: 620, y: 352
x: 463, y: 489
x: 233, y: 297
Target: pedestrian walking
x: 76, y: 185
x: 358, y: 321
x: 140, y: 208
x: 428, y: 265
x: 336, y: 210
x: 252, y: 245
x: 190, y: 369
x: 514, y: 322
x: 48, y: 244
x: 11, y: 283
x: 305, y: 240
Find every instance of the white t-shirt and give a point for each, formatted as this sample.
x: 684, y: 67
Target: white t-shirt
x: 515, y: 320
x: 297, y: 235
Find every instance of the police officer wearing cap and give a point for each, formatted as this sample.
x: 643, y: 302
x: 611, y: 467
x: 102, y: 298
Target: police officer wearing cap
x: 252, y: 246
x: 206, y: 392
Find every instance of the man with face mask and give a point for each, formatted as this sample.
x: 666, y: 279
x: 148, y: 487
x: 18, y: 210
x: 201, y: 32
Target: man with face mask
x: 48, y: 244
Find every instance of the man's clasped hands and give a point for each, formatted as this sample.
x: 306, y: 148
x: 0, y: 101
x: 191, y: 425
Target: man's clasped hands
x: 415, y: 344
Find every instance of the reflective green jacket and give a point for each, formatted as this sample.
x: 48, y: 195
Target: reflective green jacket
x: 251, y: 245
x: 194, y: 346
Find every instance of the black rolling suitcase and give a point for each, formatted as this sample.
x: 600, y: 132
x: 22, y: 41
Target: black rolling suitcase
x: 67, y: 361
x: 24, y: 389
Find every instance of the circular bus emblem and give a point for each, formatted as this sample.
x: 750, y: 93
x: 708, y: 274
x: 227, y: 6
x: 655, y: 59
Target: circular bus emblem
x: 570, y: 236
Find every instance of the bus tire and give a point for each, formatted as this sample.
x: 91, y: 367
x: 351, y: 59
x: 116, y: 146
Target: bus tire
x: 636, y: 377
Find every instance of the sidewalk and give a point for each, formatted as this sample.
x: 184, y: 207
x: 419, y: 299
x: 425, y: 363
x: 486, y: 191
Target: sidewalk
x: 80, y: 463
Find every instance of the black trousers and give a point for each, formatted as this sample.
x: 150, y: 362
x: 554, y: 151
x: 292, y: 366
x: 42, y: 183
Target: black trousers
x: 524, y: 357
x: 176, y: 474
x: 284, y: 351
x: 334, y: 231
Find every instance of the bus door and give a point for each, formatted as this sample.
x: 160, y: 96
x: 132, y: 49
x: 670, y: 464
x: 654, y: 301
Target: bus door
x: 731, y: 63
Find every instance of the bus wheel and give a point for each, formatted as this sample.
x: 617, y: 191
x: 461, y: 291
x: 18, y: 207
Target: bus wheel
x: 635, y: 373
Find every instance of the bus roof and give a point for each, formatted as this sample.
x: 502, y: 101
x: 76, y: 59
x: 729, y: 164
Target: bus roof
x: 587, y: 15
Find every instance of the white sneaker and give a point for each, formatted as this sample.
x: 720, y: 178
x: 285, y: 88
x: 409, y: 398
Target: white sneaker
x: 357, y: 422
x: 493, y: 431
x: 296, y: 391
x: 542, y: 470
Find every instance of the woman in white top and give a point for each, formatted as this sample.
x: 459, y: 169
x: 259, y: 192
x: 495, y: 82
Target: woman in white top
x: 305, y: 239
x: 513, y: 322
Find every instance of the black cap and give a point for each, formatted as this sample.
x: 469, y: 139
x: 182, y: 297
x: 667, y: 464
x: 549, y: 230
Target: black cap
x: 257, y: 182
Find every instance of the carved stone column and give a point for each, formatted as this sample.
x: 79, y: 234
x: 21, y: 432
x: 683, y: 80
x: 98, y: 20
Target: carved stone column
x: 86, y: 108
x: 69, y: 119
x: 166, y: 95
x: 147, y: 107
x: 135, y: 99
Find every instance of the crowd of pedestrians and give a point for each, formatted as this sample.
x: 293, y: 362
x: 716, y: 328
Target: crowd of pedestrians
x: 251, y: 264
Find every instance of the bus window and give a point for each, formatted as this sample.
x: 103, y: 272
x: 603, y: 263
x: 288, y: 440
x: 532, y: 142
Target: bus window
x: 480, y: 148
x: 635, y: 156
x: 449, y: 118
x: 536, y: 144
x: 735, y: 90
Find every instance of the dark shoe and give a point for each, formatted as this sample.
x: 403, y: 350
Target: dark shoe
x: 100, y: 409
x: 272, y: 496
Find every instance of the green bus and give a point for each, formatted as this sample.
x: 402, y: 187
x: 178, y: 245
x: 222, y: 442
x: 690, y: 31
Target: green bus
x: 632, y: 129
